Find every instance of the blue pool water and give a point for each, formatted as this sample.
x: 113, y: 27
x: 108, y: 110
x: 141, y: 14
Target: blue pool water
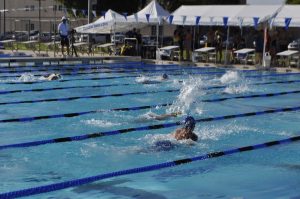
x: 266, y: 173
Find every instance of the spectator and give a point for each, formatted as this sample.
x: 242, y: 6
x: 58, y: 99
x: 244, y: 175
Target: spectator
x: 63, y: 29
x: 218, y: 45
x: 188, y: 43
x: 259, y: 47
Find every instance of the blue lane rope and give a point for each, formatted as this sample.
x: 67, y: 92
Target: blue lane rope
x: 61, y: 88
x: 68, y: 115
x: 143, y: 128
x: 129, y: 76
x: 108, y: 65
x: 63, y: 99
x: 111, y: 85
x: 154, y: 167
x: 74, y: 71
x: 251, y: 96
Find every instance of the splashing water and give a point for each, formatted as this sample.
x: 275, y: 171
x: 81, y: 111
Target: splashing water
x: 27, y: 77
x: 237, y: 89
x: 100, y: 123
x: 189, y: 97
x: 230, y: 77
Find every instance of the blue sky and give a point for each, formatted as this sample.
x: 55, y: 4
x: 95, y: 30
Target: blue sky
x: 265, y: 1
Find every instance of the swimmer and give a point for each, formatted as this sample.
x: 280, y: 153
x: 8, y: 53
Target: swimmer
x: 154, y: 116
x: 154, y: 81
x: 53, y: 76
x: 163, y: 116
x: 186, y: 132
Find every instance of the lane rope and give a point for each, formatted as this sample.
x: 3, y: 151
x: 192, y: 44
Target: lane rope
x: 76, y: 114
x: 142, y: 128
x: 111, y: 85
x: 74, y: 71
x: 154, y: 167
x: 63, y: 99
x: 129, y: 76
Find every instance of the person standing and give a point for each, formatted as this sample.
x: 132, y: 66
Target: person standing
x: 63, y: 29
x: 218, y: 45
x: 188, y: 44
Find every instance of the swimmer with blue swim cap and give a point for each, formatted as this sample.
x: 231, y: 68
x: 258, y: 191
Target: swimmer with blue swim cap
x: 186, y: 132
x: 165, y: 76
x: 183, y: 133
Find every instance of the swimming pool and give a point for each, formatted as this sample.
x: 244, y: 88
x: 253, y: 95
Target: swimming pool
x: 88, y: 101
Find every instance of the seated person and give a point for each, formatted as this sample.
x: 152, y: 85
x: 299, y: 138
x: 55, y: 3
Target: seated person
x: 53, y: 76
x: 186, y: 132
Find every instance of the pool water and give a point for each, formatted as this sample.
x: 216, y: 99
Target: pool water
x: 267, y: 173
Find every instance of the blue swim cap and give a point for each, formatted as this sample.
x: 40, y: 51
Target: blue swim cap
x: 189, y: 122
x: 165, y: 76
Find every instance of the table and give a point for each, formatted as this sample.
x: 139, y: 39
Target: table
x: 288, y: 57
x: 245, y: 55
x: 204, y: 54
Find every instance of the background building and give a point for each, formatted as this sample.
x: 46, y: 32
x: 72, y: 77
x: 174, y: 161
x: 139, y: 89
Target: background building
x: 25, y: 15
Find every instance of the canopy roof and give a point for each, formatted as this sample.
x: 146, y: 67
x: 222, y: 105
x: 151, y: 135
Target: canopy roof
x: 104, y: 24
x: 288, y: 11
x: 152, y: 13
x: 209, y: 15
x: 236, y: 15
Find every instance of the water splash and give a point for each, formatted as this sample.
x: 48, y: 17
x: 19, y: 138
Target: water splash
x: 230, y: 77
x: 27, y: 77
x: 101, y: 123
x: 189, y: 98
x: 237, y: 89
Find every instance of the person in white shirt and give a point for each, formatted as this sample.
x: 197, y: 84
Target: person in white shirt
x: 63, y: 29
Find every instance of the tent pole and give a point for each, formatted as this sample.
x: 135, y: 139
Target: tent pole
x: 157, y: 32
x: 265, y: 43
x: 227, y: 42
x: 194, y: 37
x: 115, y: 47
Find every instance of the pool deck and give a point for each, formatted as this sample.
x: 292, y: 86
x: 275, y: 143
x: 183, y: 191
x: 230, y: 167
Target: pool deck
x: 49, y: 56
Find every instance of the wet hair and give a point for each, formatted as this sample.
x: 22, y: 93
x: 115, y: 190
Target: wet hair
x: 189, y: 122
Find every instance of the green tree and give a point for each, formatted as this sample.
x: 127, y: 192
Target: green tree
x: 131, y: 6
x: 128, y: 6
x: 171, y: 5
x: 293, y: 1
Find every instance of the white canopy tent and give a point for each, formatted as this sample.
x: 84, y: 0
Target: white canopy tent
x: 153, y: 13
x: 224, y: 15
x: 288, y: 14
x: 106, y: 24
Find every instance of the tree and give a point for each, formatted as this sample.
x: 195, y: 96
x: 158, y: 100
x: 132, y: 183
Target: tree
x: 171, y: 5
x: 131, y: 6
x: 293, y: 1
x: 120, y: 6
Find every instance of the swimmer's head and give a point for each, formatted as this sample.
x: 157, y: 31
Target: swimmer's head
x: 189, y: 123
x: 165, y: 76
